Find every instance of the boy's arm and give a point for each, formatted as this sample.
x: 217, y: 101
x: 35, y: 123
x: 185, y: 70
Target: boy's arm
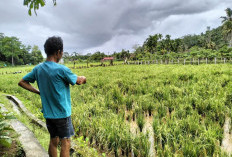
x: 26, y: 85
x: 81, y: 80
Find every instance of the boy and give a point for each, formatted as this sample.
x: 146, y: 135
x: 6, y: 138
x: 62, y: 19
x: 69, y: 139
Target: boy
x: 53, y: 81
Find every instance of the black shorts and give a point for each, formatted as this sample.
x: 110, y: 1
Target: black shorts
x: 62, y: 128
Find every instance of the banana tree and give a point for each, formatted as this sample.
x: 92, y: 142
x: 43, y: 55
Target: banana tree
x: 227, y: 25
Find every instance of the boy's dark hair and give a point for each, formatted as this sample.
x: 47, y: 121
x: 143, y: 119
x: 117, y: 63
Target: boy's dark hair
x: 52, y: 45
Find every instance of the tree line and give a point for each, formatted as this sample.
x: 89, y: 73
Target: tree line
x: 14, y: 52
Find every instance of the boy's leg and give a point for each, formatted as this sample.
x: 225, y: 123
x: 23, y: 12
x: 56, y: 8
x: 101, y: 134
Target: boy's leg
x: 65, y: 147
x: 52, y: 150
x: 62, y: 128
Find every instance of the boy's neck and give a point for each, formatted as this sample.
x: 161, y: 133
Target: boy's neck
x: 52, y: 59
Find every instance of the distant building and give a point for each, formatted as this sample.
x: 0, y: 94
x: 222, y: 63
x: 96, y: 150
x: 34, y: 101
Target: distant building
x: 107, y: 58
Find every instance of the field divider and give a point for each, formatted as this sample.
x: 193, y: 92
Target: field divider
x: 227, y: 140
x: 30, y: 144
x: 148, y: 128
x: 33, y: 118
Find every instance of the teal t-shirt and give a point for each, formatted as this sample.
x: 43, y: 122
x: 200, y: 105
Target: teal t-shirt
x: 53, y: 82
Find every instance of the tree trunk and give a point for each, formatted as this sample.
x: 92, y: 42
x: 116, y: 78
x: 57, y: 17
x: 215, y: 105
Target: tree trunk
x: 230, y: 39
x: 12, y: 60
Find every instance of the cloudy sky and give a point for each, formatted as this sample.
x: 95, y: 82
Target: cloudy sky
x: 87, y: 26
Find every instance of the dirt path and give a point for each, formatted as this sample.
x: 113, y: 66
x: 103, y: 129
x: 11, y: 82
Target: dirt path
x: 30, y: 144
x: 148, y: 128
x: 227, y: 140
x: 15, y: 107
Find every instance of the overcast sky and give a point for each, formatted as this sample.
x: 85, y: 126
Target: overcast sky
x: 87, y: 26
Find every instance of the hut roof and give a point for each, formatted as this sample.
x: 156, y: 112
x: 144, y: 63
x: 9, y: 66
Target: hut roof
x: 108, y: 58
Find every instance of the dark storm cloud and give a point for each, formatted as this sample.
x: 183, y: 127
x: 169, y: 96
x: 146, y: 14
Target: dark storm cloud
x: 139, y: 15
x: 93, y: 23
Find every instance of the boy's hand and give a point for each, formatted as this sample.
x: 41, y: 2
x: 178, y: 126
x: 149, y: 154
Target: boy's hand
x: 81, y: 80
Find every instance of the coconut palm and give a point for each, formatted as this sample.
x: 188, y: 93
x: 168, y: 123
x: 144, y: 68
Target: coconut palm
x: 227, y: 25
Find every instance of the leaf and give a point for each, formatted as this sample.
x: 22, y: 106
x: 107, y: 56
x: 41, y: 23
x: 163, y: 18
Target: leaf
x: 31, y: 5
x: 8, y: 128
x: 42, y: 3
x: 4, y: 133
x: 35, y: 11
x: 3, y: 125
x: 6, y: 141
x: 29, y: 12
x: 25, y: 2
x: 9, y: 117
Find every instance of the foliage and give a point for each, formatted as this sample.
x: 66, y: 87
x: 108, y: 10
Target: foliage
x: 227, y: 25
x: 34, y: 4
x: 97, y: 56
x: 36, y: 56
x: 13, y: 51
x: 82, y: 149
x: 5, y: 139
x: 123, y: 55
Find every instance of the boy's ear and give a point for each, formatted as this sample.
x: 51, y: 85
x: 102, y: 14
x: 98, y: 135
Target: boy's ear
x: 59, y: 51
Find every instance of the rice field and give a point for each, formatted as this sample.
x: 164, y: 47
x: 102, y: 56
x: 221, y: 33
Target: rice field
x: 146, y: 110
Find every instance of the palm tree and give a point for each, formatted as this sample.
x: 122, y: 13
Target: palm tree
x: 227, y: 25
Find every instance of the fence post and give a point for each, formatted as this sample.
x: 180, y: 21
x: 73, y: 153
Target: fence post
x: 215, y: 60
x: 161, y: 62
x: 156, y: 61
x: 206, y: 60
x: 184, y: 61
x: 198, y: 61
x: 224, y: 60
x: 178, y: 61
